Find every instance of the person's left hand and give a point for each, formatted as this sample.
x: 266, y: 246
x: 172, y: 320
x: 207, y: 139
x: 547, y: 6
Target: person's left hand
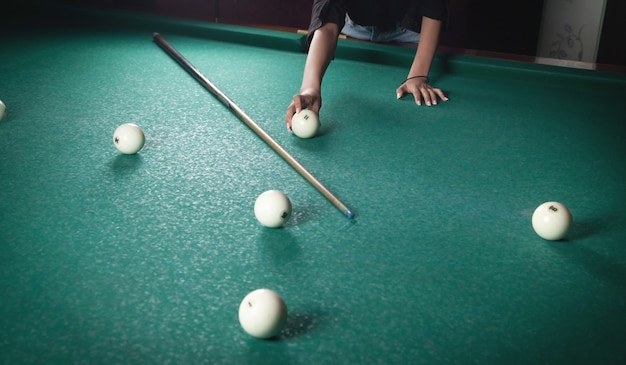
x: 421, y: 90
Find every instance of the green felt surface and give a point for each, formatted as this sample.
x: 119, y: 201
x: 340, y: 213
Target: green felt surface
x: 106, y: 258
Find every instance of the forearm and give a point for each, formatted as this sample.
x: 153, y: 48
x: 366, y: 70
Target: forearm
x: 426, y: 48
x: 419, y: 87
x: 321, y: 52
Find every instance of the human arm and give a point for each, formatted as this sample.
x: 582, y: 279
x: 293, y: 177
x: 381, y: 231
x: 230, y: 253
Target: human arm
x: 424, y: 55
x: 321, y: 51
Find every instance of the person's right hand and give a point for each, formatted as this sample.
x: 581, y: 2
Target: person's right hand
x: 305, y: 100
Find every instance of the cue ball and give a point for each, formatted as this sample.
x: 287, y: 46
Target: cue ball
x: 129, y: 138
x: 272, y: 208
x: 305, y: 124
x: 262, y: 313
x: 3, y: 109
x: 552, y: 221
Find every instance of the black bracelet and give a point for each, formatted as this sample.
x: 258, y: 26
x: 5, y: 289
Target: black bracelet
x: 416, y: 77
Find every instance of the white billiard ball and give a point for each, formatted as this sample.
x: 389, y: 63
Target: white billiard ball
x: 272, y: 208
x: 3, y: 110
x: 129, y: 138
x: 263, y: 313
x: 305, y: 123
x: 552, y: 221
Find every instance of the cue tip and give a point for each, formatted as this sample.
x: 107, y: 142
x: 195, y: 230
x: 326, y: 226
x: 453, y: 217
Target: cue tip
x: 349, y: 214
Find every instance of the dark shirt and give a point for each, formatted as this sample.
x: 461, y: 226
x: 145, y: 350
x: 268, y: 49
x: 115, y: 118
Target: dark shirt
x: 384, y: 14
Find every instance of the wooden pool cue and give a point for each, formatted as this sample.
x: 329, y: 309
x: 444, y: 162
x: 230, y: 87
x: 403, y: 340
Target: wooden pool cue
x: 170, y: 50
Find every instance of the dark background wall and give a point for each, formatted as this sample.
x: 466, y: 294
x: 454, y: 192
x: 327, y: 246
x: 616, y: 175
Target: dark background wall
x: 498, y: 26
x: 612, y: 49
x: 484, y: 25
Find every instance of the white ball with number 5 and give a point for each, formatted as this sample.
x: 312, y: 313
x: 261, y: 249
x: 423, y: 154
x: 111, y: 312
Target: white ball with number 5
x: 263, y: 313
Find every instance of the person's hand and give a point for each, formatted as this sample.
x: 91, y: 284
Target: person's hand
x: 305, y: 100
x: 421, y: 90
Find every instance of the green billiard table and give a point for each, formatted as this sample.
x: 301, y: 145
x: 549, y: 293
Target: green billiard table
x: 108, y: 258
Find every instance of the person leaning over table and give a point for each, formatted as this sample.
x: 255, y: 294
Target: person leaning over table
x: 418, y: 21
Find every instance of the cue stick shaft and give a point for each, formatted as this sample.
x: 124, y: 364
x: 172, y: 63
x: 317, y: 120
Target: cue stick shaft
x: 169, y: 49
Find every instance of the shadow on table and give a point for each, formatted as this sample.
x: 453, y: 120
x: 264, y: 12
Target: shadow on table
x: 123, y: 164
x: 600, y: 266
x: 301, y: 321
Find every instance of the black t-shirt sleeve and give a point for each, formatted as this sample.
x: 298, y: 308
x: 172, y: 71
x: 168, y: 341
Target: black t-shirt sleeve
x: 434, y: 9
x: 327, y: 11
